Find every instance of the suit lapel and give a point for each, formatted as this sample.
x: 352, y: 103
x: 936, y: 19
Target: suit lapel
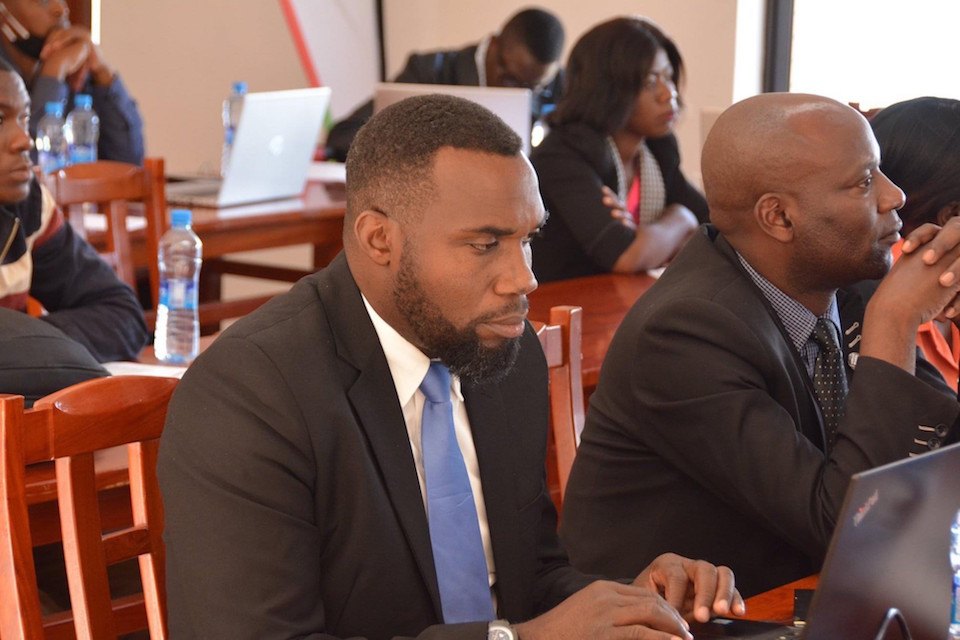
x: 374, y: 400
x: 497, y: 456
x: 809, y: 418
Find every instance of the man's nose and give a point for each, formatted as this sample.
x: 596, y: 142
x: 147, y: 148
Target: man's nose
x: 517, y: 277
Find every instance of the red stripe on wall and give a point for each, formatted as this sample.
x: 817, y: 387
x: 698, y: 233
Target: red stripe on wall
x: 293, y: 23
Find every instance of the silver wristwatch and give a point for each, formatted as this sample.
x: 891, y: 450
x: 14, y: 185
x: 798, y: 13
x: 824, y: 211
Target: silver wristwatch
x: 501, y: 630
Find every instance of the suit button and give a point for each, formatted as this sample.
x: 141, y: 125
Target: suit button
x: 942, y: 430
x: 933, y: 443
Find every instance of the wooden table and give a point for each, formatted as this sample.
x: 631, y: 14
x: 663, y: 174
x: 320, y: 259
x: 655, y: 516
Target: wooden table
x: 316, y: 218
x: 605, y: 300
x: 776, y: 605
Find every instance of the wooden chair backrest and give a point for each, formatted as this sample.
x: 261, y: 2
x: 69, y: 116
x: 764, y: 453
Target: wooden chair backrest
x: 112, y: 187
x: 70, y: 426
x: 561, y: 342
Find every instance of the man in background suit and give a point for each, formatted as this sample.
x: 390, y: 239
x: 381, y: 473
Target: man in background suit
x: 296, y: 465
x: 526, y: 53
x: 716, y: 429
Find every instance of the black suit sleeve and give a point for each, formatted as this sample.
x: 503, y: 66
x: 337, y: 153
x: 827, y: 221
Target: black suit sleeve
x: 572, y: 188
x: 85, y: 298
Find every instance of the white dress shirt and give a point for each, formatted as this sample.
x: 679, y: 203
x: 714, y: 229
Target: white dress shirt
x: 408, y: 366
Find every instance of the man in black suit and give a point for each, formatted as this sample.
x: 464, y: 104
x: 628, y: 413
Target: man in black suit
x: 525, y: 53
x: 716, y: 429
x: 296, y: 463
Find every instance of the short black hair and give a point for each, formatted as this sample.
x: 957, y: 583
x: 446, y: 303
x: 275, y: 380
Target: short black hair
x: 389, y: 166
x: 606, y: 70
x: 539, y: 31
x: 920, y: 151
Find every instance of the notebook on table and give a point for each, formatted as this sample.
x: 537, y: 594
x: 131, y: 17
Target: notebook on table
x: 272, y: 150
x: 513, y: 105
x: 888, y: 559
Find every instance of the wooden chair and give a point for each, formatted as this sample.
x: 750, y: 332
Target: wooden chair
x: 70, y: 426
x: 113, y: 187
x: 561, y: 342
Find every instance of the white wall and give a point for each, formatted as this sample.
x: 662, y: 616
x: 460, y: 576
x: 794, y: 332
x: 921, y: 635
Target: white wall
x: 178, y: 58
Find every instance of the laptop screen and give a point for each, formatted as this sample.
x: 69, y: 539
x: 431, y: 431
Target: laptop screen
x: 890, y: 549
x: 512, y: 105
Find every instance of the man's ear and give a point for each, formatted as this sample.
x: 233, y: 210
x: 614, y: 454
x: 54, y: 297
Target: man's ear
x: 773, y: 213
x: 376, y: 236
x: 946, y: 212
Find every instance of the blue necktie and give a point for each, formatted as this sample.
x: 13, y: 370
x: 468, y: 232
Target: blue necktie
x: 454, y: 530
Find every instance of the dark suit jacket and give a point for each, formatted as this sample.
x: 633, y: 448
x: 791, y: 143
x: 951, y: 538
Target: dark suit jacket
x: 573, y: 163
x: 292, y: 502
x: 704, y: 436
x: 457, y: 67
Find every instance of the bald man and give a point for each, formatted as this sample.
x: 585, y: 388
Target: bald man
x: 705, y: 435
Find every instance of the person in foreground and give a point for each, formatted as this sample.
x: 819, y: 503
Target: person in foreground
x: 364, y: 455
x: 920, y: 150
x: 57, y: 60
x: 41, y: 256
x: 611, y: 135
x: 748, y: 384
x: 524, y: 54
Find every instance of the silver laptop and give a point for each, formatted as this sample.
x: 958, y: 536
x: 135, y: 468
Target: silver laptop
x: 274, y: 144
x: 512, y: 105
x: 888, y: 564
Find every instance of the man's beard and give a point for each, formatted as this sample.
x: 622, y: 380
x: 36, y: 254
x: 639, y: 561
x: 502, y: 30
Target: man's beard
x: 460, y: 349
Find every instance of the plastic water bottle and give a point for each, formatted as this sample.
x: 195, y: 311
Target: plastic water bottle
x: 954, y: 632
x: 82, y: 130
x: 178, y: 325
x: 231, y: 118
x: 50, y: 143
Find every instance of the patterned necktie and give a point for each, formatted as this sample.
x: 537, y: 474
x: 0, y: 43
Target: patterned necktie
x: 454, y: 529
x: 829, y: 378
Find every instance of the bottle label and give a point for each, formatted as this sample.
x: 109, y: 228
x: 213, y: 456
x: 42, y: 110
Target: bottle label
x: 50, y: 162
x: 82, y: 153
x: 178, y: 293
x: 955, y: 601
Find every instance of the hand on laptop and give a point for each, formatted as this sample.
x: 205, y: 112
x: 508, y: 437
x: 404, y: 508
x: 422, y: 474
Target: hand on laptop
x: 695, y: 588
x: 608, y: 610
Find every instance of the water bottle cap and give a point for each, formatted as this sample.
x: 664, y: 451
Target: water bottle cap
x: 180, y: 218
x: 53, y: 108
x: 83, y: 100
x: 239, y: 88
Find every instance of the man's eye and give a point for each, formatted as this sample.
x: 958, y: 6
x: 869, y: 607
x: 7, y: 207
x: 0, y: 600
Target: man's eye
x: 485, y: 247
x: 867, y: 182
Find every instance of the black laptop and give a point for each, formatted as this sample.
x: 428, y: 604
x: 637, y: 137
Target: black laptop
x: 888, y: 567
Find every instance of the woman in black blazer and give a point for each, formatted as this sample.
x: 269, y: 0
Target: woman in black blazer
x: 611, y: 139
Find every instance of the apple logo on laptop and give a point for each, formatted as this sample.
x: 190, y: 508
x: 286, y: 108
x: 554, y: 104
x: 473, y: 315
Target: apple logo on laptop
x: 276, y: 145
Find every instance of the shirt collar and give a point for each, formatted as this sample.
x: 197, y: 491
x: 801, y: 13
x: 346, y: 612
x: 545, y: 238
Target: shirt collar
x: 796, y: 318
x: 408, y: 365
